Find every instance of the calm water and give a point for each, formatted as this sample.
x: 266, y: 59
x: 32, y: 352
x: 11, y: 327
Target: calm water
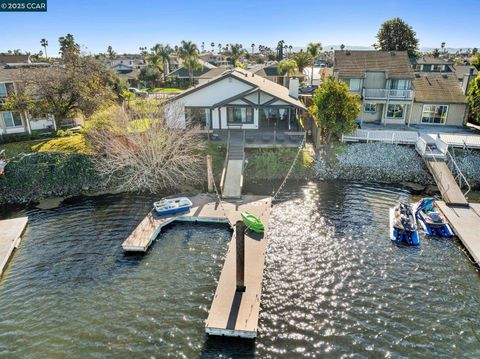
x: 334, y: 284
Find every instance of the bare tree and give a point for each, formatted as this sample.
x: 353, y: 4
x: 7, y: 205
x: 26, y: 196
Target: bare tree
x: 147, y: 154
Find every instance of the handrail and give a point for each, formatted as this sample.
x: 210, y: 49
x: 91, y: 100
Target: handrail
x: 459, y: 174
x: 224, y: 171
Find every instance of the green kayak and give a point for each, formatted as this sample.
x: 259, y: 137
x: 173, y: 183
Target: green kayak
x: 252, y: 222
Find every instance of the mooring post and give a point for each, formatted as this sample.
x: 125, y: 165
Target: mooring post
x: 240, y: 247
x: 210, y: 173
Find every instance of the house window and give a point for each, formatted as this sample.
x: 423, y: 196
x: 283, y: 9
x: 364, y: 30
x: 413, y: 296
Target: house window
x: 198, y: 116
x: 354, y: 84
x: 12, y: 119
x: 6, y: 88
x: 434, y: 114
x: 239, y: 115
x: 370, y: 108
x: 399, y: 84
x: 395, y: 111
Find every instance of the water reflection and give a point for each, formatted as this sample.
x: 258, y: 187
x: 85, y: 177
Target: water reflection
x: 334, y: 285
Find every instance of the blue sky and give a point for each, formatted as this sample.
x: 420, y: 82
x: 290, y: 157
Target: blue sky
x: 126, y: 25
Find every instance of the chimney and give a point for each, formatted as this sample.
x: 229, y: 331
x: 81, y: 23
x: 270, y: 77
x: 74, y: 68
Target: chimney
x: 293, y: 88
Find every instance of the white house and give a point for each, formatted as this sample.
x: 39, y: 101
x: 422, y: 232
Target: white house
x: 238, y: 99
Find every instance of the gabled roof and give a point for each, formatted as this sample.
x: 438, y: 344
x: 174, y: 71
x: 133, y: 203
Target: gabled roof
x: 257, y: 83
x: 182, y: 72
x: 433, y: 60
x: 272, y: 71
x: 461, y: 70
x: 438, y: 88
x: 13, y: 59
x: 354, y: 64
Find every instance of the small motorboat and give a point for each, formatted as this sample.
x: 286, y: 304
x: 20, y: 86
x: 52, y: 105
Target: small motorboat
x: 252, y: 222
x: 431, y: 220
x: 403, y: 225
x: 172, y: 205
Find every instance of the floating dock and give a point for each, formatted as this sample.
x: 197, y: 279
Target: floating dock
x: 232, y: 313
x: 465, y: 222
x: 10, y: 236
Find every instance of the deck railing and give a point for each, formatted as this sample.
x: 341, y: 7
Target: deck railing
x: 387, y: 94
x: 457, y: 173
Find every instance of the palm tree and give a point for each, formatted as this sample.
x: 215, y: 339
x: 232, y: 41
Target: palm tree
x: 44, y: 43
x: 314, y: 49
x: 219, y: 47
x: 160, y: 58
x: 342, y: 47
x: 188, y: 52
x: 212, y: 44
x: 303, y: 60
x: 287, y: 67
x: 253, y: 47
x: 203, y: 46
x: 290, y: 47
x: 442, y: 45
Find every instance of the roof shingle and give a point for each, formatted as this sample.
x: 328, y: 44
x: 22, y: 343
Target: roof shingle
x: 354, y: 64
x: 437, y: 87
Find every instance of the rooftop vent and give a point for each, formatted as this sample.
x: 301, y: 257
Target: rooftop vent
x: 445, y: 76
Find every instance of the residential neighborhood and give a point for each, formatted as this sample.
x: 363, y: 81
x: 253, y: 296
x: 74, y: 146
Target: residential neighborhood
x: 178, y: 182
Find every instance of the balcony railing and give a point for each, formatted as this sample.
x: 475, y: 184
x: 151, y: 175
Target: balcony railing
x: 385, y: 94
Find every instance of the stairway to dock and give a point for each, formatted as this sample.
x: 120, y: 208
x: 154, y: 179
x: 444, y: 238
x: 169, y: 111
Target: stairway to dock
x: 441, y: 165
x: 232, y: 178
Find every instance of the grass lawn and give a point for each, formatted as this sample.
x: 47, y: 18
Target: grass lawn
x: 275, y: 163
x: 218, y: 152
x: 71, y: 144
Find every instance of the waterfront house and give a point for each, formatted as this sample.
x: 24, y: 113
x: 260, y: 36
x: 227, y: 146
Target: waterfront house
x: 439, y: 100
x: 181, y: 76
x: 18, y: 121
x: 382, y: 80
x: 238, y: 99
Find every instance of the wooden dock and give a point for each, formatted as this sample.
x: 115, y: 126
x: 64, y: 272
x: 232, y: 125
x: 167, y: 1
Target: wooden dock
x: 449, y: 189
x: 465, y: 222
x: 232, y: 313
x: 10, y: 236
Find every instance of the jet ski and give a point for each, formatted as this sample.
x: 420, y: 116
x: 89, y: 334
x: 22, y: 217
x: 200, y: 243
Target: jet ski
x: 431, y: 220
x: 403, y: 225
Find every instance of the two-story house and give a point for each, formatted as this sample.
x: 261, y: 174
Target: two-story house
x: 18, y: 121
x: 383, y: 81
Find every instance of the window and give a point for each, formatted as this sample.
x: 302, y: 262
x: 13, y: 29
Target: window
x: 394, y: 111
x: 198, y: 116
x: 354, y: 84
x: 434, y: 114
x: 12, y: 119
x: 6, y: 88
x: 370, y: 108
x: 399, y: 84
x: 239, y: 115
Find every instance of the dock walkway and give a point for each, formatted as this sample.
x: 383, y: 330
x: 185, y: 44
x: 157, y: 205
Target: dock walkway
x: 449, y: 189
x: 465, y: 222
x: 232, y: 313
x: 10, y: 236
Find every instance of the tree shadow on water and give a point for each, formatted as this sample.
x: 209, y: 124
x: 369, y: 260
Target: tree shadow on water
x: 216, y: 346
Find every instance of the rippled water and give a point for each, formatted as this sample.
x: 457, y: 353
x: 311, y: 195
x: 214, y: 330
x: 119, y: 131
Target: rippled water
x: 334, y: 284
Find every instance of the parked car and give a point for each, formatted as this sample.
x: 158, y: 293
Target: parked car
x: 307, y: 89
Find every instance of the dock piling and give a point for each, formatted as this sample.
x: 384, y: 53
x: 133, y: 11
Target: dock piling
x: 210, y: 173
x: 240, y: 248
